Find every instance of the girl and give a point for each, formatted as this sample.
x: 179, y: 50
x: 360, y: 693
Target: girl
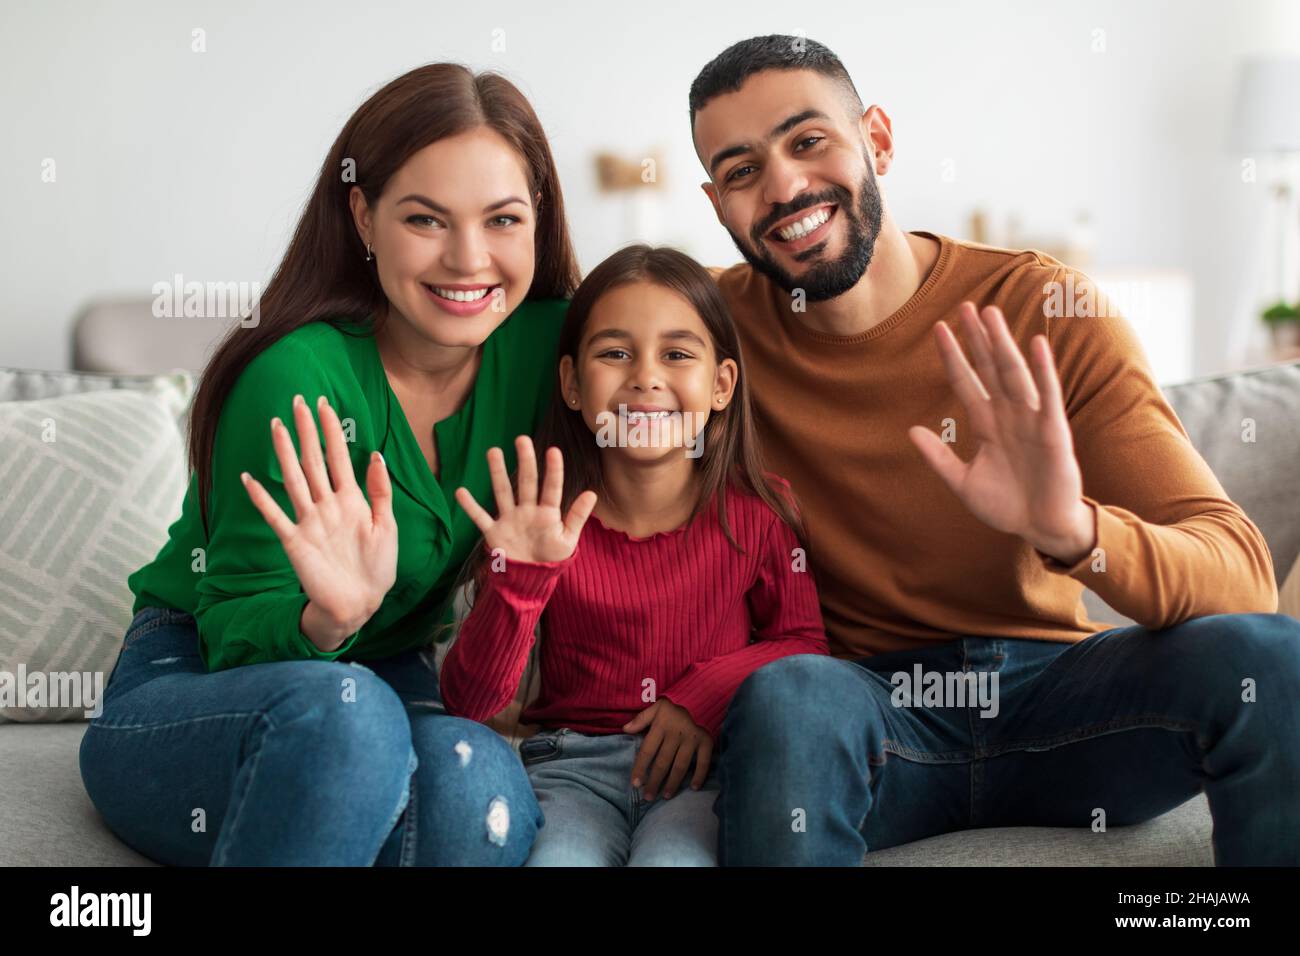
x: 648, y: 611
x: 429, y: 268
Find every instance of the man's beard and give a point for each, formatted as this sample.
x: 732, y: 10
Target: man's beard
x: 826, y: 279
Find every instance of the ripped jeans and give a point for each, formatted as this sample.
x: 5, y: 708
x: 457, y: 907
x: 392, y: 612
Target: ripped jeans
x: 313, y: 763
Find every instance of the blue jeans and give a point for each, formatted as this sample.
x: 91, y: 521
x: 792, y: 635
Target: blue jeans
x: 594, y: 816
x: 297, y: 762
x: 819, y: 763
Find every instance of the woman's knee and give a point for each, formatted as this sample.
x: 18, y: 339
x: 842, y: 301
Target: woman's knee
x: 473, y: 793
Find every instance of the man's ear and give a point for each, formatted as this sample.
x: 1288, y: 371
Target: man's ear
x: 877, y: 132
x: 711, y: 191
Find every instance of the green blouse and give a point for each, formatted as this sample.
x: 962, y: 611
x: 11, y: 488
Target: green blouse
x: 239, y: 584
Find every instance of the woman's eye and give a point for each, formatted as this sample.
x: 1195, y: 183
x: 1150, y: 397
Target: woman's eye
x: 421, y: 220
x: 508, y: 219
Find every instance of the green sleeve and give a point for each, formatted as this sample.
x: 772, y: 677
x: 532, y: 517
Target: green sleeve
x: 250, y: 602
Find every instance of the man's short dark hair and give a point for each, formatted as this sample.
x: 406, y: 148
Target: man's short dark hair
x: 728, y: 71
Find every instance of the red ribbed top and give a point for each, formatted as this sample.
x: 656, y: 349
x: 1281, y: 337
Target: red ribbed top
x: 628, y: 620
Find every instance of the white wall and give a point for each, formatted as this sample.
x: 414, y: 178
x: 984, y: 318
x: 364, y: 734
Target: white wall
x: 171, y: 161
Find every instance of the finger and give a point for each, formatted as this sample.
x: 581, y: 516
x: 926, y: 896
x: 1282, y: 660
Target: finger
x: 1012, y: 370
x: 526, y: 472
x: 294, y: 482
x: 553, y: 484
x: 964, y: 381
x: 500, y: 480
x: 660, y: 766
x: 379, y: 488
x: 640, y: 721
x: 981, y: 349
x: 271, y: 511
x: 579, y: 512
x: 313, y: 463
x: 1047, y: 379
x: 939, y: 456
x: 336, y: 448
x: 703, y: 757
x: 649, y: 747
x: 681, y: 764
x: 482, y: 520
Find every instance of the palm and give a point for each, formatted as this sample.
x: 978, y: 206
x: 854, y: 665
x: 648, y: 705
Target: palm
x: 1024, y: 478
x: 529, y: 527
x: 342, y: 548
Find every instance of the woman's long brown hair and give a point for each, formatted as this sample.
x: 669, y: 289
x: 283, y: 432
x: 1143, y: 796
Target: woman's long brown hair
x: 324, y: 274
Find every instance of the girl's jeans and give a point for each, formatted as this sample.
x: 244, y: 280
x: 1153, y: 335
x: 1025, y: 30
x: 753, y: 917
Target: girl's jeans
x: 594, y: 816
x: 822, y: 760
x: 297, y: 762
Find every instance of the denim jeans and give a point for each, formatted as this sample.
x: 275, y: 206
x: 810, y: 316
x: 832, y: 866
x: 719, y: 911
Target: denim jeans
x: 819, y: 763
x: 595, y: 817
x: 297, y: 762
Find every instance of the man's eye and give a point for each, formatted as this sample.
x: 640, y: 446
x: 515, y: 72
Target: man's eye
x: 736, y: 172
x: 810, y: 139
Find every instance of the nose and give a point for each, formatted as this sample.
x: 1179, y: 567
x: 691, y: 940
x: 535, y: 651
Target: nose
x: 644, y: 374
x: 466, y: 251
x: 784, y: 180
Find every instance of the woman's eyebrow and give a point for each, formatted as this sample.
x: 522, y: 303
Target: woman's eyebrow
x: 439, y: 208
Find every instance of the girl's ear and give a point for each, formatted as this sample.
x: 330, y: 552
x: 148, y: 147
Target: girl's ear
x: 569, y: 383
x: 725, y: 383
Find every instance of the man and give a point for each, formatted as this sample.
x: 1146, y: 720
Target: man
x: 955, y: 511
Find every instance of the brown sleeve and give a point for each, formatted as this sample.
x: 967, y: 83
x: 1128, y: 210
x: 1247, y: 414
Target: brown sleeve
x: 1171, y: 545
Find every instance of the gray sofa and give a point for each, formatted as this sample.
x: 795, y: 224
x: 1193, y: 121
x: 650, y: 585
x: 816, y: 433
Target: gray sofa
x: 47, y: 819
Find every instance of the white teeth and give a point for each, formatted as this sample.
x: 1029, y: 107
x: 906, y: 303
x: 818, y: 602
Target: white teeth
x: 805, y: 225
x: 456, y: 295
x: 635, y: 415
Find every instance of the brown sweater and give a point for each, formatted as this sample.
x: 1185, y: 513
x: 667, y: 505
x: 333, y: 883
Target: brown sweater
x: 897, y: 558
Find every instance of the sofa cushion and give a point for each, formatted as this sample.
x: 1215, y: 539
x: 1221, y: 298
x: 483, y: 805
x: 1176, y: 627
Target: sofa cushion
x: 93, y: 480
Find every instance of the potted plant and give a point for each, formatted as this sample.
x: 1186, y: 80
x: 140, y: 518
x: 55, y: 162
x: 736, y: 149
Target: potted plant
x: 1283, y: 323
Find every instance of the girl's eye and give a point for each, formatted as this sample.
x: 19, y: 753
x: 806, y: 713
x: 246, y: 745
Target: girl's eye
x: 609, y: 353
x: 684, y: 355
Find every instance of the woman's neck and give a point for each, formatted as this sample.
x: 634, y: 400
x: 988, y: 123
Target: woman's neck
x: 643, y: 498
x: 412, y: 359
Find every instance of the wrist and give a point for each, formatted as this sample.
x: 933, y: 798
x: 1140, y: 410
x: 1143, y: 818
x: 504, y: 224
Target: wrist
x: 1078, y: 543
x: 325, y: 630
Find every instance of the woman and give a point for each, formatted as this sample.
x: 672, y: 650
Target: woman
x: 260, y: 714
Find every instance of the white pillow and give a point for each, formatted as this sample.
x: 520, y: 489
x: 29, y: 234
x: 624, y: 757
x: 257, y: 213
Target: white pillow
x: 89, y: 484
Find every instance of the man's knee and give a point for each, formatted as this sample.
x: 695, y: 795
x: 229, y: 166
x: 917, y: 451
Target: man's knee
x: 792, y: 695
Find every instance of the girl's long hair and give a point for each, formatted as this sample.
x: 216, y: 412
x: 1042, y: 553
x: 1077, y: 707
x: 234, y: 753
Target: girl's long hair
x: 324, y: 274
x: 730, y: 457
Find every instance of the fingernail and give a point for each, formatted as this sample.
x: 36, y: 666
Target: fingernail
x: 298, y: 400
x: 636, y: 781
x: 274, y: 422
x: 243, y: 476
x: 320, y: 402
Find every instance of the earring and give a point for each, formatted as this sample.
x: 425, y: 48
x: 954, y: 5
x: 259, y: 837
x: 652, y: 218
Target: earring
x: 369, y: 257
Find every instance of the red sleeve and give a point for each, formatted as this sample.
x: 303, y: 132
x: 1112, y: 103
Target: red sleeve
x: 480, y: 674
x: 787, y: 620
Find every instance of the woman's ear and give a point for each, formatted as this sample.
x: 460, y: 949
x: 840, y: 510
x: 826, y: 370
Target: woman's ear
x: 360, y: 214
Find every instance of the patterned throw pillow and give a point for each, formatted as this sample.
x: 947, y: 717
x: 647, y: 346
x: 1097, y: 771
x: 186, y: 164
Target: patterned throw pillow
x: 89, y: 483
